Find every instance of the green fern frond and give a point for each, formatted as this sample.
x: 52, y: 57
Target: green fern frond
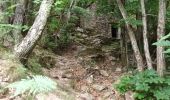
x: 167, y: 51
x: 164, y: 43
x: 165, y: 37
x: 35, y: 85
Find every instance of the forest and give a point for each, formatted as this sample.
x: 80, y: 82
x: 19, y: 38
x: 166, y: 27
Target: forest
x: 84, y: 49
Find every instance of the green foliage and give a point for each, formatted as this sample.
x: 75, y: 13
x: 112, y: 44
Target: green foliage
x: 35, y: 85
x: 79, y: 11
x: 85, y: 3
x: 132, y: 6
x: 164, y: 43
x: 64, y: 38
x: 34, y: 65
x: 24, y: 28
x: 37, y: 1
x: 146, y: 85
x: 132, y: 21
x: 105, y: 6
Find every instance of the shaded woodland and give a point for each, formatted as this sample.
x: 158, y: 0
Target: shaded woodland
x: 84, y: 49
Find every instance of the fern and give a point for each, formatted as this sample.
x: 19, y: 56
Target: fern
x: 164, y: 43
x: 35, y: 85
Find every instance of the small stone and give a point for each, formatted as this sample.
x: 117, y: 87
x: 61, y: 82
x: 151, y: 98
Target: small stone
x: 49, y: 96
x: 96, y: 67
x: 87, y: 96
x: 90, y: 79
x: 113, y: 63
x: 129, y: 95
x: 79, y: 29
x: 85, y: 88
x: 107, y: 94
x: 67, y: 75
x: 84, y: 36
x: 104, y: 73
x: 118, y: 70
x: 98, y: 87
x: 111, y: 58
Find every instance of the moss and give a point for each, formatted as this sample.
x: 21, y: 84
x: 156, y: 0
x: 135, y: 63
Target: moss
x: 41, y: 58
x: 34, y: 66
x: 107, y: 47
x: 10, y: 68
x: 90, y: 51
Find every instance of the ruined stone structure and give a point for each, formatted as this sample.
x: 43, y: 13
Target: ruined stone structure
x: 97, y: 22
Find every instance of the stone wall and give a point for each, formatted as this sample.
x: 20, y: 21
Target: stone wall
x: 96, y: 22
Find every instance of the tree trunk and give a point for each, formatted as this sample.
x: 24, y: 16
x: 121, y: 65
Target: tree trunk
x: 23, y: 49
x: 160, y: 33
x: 132, y: 37
x: 145, y: 39
x: 72, y: 4
x: 18, y: 20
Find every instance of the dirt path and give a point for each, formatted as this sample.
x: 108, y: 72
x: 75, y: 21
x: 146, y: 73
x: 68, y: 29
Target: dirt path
x: 88, y: 83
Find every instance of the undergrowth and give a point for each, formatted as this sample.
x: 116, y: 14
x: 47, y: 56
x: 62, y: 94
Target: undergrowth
x: 146, y: 85
x: 33, y: 86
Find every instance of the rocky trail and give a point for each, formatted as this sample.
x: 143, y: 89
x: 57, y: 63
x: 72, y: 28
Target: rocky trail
x: 85, y: 70
x: 83, y: 79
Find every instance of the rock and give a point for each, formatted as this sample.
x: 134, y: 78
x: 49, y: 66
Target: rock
x: 98, y: 87
x: 86, y: 96
x: 111, y: 58
x: 79, y: 29
x: 67, y: 75
x: 96, y: 42
x: 113, y: 63
x: 84, y: 88
x: 107, y: 94
x: 118, y: 70
x: 104, y: 73
x: 84, y: 36
x: 129, y: 96
x: 49, y: 96
x: 90, y: 79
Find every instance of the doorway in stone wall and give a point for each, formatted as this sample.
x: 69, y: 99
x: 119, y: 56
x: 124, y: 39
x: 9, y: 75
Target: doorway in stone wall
x: 115, y: 30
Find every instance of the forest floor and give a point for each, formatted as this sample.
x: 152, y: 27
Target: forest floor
x: 89, y: 81
x: 82, y: 72
x: 79, y: 78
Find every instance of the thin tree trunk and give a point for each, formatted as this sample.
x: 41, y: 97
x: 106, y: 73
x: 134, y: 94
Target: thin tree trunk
x: 160, y: 33
x: 23, y: 49
x: 145, y: 39
x: 72, y: 4
x: 139, y: 35
x: 138, y: 56
x: 18, y: 20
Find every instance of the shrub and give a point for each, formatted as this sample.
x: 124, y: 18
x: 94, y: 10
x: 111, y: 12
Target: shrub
x: 146, y: 85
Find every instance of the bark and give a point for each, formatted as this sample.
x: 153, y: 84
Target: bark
x: 72, y: 4
x: 138, y: 56
x: 23, y: 49
x: 18, y: 20
x: 160, y: 33
x: 145, y: 39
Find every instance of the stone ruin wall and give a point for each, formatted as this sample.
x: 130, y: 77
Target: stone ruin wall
x: 96, y: 22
